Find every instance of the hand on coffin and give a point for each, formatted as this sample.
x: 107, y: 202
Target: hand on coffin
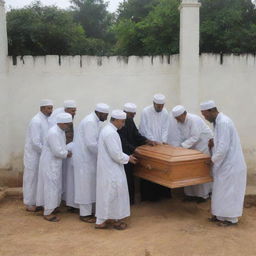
x: 133, y: 159
x: 69, y: 154
x: 165, y: 143
x: 210, y: 163
x: 210, y: 144
x: 151, y: 143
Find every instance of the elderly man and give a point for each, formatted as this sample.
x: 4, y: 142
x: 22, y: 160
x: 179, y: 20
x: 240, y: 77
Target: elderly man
x: 85, y: 160
x: 194, y: 134
x: 154, y: 126
x: 229, y: 168
x: 50, y: 166
x: 131, y: 138
x: 112, y: 191
x: 36, y: 133
x: 69, y: 106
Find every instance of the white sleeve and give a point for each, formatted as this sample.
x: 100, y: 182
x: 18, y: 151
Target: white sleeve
x: 165, y: 128
x: 115, y: 151
x: 91, y: 135
x: 143, y: 127
x: 35, y: 130
x: 194, y: 136
x: 58, y: 149
x: 221, y: 146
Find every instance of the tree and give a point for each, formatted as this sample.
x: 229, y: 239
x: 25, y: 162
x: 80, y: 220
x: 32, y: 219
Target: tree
x: 228, y: 26
x: 155, y: 33
x: 38, y: 30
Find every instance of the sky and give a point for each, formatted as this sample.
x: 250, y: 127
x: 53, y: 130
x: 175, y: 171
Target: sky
x: 112, y: 6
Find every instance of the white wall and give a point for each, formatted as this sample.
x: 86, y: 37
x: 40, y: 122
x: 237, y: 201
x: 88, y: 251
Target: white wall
x: 113, y: 80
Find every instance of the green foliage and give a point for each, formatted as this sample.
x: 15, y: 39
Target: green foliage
x: 155, y: 33
x: 228, y: 26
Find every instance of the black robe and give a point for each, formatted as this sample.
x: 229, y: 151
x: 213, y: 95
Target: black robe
x: 131, y: 138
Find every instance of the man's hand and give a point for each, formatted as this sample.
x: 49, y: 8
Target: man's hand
x: 133, y: 159
x: 151, y: 143
x: 210, y: 144
x: 210, y: 163
x: 69, y: 154
x: 165, y: 143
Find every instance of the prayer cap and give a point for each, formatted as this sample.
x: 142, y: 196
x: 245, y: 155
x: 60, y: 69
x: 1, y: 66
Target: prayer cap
x: 102, y: 107
x: 64, y: 118
x: 46, y: 102
x: 130, y: 107
x: 159, y: 98
x: 178, y: 110
x: 207, y: 105
x: 69, y: 104
x: 118, y: 114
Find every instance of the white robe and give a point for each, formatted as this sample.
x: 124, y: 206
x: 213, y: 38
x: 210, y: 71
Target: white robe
x: 50, y: 169
x: 53, y: 117
x: 36, y: 133
x: 195, y: 134
x: 154, y: 125
x: 112, y: 190
x: 68, y: 179
x: 173, y: 132
x: 229, y: 170
x: 85, y: 159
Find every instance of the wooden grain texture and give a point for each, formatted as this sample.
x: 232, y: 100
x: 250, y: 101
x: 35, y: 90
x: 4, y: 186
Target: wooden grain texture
x: 172, y: 167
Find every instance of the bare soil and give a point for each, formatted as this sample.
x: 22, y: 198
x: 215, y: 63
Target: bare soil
x: 169, y: 228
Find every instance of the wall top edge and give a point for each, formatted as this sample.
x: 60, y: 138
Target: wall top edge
x: 182, y: 5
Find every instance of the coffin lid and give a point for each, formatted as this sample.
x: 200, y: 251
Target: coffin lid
x: 169, y: 153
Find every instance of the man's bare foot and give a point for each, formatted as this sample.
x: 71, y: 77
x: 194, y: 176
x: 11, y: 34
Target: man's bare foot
x: 52, y: 218
x: 88, y: 219
x: 103, y: 225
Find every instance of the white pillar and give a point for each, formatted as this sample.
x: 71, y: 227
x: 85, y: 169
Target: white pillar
x: 4, y: 93
x: 189, y: 54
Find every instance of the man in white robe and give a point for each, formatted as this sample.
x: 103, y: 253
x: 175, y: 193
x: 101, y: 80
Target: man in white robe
x: 112, y: 197
x: 69, y: 106
x: 194, y: 134
x: 50, y: 166
x: 36, y: 133
x: 154, y: 125
x: 85, y: 161
x: 229, y: 168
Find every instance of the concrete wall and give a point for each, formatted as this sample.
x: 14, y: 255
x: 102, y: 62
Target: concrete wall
x: 116, y: 80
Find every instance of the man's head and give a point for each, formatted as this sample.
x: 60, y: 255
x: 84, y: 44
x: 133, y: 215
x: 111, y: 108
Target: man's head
x: 70, y: 107
x: 158, y: 101
x: 101, y: 111
x: 179, y: 113
x: 64, y: 121
x: 209, y: 110
x: 46, y: 107
x: 118, y: 118
x: 130, y: 110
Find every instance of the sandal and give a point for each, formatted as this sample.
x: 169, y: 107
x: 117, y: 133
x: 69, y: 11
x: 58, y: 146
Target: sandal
x: 119, y: 225
x: 213, y: 219
x: 88, y: 219
x: 226, y: 223
x: 103, y: 225
x: 52, y: 218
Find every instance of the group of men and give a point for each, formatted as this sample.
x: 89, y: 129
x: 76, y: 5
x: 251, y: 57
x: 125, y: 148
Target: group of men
x: 91, y: 167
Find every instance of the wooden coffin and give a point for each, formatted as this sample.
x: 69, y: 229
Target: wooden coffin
x: 171, y: 166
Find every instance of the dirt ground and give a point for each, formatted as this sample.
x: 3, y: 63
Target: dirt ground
x: 169, y: 228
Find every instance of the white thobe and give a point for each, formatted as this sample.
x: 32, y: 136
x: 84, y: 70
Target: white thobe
x: 50, y: 169
x: 154, y: 125
x: 68, y: 179
x: 36, y: 133
x: 229, y: 170
x: 85, y: 161
x: 53, y: 118
x: 174, y: 137
x: 112, y: 190
x: 195, y: 134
